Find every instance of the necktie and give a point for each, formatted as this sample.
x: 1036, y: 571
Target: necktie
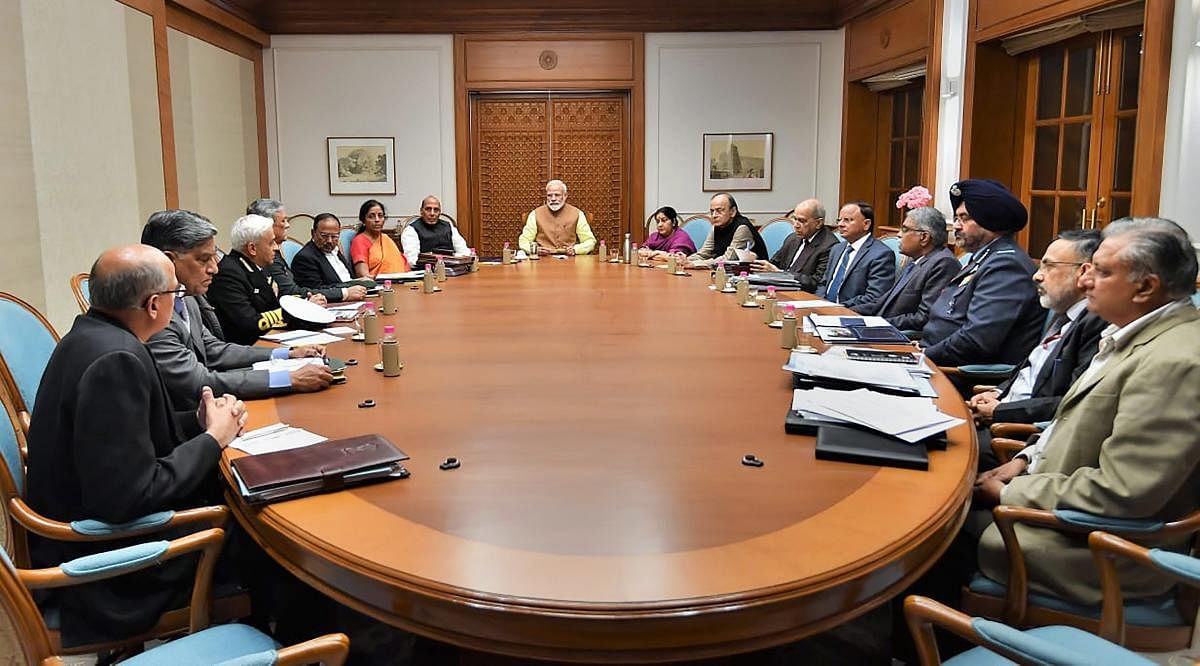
x: 839, y: 273
x: 1054, y: 330
x: 179, y: 305
x: 796, y: 260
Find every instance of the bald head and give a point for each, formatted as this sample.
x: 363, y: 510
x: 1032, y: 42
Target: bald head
x: 127, y: 282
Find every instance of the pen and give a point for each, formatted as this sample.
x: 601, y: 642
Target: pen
x: 265, y: 430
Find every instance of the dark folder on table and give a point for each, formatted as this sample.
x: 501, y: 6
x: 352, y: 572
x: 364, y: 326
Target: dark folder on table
x: 835, y: 442
x: 327, y: 466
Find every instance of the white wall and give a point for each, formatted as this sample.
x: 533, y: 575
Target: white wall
x: 216, y: 130
x: 400, y: 86
x: 93, y: 134
x: 789, y: 83
x: 1181, y: 157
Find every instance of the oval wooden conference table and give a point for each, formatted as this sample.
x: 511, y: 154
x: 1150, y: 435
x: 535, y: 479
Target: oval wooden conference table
x: 601, y: 513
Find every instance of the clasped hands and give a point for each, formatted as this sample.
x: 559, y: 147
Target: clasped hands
x: 222, y: 417
x: 547, y: 251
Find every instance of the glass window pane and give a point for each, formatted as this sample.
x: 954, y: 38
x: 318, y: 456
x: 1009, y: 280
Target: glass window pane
x: 1050, y: 75
x: 898, y: 107
x: 1081, y: 70
x: 1045, y: 158
x: 915, y: 97
x: 1071, y: 212
x: 1118, y: 207
x: 1041, y: 224
x: 896, y: 174
x: 1131, y: 63
x: 1076, y: 145
x: 912, y: 163
x: 1123, y: 166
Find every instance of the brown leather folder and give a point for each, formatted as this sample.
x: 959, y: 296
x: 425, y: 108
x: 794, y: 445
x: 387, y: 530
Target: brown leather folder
x: 327, y: 466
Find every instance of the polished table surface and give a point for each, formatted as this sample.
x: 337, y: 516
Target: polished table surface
x: 601, y: 513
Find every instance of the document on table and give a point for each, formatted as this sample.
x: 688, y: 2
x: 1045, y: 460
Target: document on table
x: 284, y: 336
x: 409, y: 275
x: 275, y: 437
x: 847, y: 320
x: 288, y: 364
x: 811, y: 303
x: 907, y: 418
x: 341, y: 330
x: 308, y: 338
x: 837, y: 367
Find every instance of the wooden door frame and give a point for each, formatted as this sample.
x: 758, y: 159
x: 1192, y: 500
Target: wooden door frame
x: 633, y: 85
x: 1152, y: 93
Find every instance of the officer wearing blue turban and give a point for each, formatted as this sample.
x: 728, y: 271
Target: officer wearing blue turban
x: 989, y: 313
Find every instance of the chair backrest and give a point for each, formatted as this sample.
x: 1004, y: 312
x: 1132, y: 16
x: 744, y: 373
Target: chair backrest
x: 12, y: 481
x: 774, y: 233
x: 893, y: 243
x: 698, y: 227
x: 79, y: 287
x: 290, y: 247
x: 348, y: 234
x: 26, y: 342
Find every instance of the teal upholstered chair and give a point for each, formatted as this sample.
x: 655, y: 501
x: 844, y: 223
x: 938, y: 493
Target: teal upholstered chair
x: 773, y: 234
x: 1054, y: 644
x: 25, y: 638
x: 290, y: 247
x: 697, y: 228
x: 26, y: 342
x: 79, y: 287
x: 348, y: 234
x: 1152, y: 624
x: 893, y: 243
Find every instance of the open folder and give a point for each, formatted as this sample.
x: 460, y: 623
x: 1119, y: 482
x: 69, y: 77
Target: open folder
x: 330, y: 465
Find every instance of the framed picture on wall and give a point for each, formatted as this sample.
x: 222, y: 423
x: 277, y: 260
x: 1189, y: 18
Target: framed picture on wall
x: 361, y: 165
x: 738, y: 161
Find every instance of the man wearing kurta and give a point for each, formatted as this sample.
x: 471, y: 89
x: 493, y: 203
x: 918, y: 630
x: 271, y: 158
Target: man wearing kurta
x: 558, y: 227
x: 1125, y: 441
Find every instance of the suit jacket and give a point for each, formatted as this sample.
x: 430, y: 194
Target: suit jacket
x: 871, y: 273
x: 1072, y: 356
x: 311, y: 269
x: 285, y: 277
x: 989, y: 313
x: 906, y: 305
x: 1126, y: 444
x: 245, y: 301
x: 809, y: 266
x: 106, y: 443
x: 189, y: 358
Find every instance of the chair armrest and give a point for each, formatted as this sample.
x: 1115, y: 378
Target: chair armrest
x: 922, y: 614
x: 95, y: 530
x: 1106, y: 548
x: 113, y: 563
x: 329, y: 650
x: 1006, y: 449
x: 982, y: 388
x: 1014, y: 430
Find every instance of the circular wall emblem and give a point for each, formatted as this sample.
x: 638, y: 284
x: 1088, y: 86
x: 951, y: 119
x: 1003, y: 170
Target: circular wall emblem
x: 548, y: 59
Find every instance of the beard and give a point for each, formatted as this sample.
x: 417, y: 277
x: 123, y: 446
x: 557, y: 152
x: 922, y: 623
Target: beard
x: 1045, y: 301
x: 557, y: 206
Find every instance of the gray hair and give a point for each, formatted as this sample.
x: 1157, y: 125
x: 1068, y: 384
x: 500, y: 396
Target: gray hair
x: 1159, y: 247
x: 931, y: 221
x: 125, y: 288
x: 249, y: 229
x: 559, y: 183
x: 177, y: 230
x: 265, y: 207
x: 1084, y: 241
x: 818, y: 209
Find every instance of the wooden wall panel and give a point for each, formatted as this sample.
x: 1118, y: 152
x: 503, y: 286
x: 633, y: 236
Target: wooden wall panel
x: 897, y: 36
x: 511, y: 151
x: 1152, y: 107
x: 860, y: 145
x: 492, y: 61
x: 589, y: 155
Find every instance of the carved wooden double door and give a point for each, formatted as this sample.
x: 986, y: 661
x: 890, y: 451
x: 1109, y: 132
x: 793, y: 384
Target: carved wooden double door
x: 520, y: 141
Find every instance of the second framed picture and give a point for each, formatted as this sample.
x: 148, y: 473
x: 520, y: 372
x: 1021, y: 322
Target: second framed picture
x: 361, y: 165
x: 738, y: 161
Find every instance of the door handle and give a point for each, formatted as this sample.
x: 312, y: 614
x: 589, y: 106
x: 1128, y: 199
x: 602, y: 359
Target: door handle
x: 1092, y: 222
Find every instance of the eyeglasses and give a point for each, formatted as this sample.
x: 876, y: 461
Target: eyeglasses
x: 332, y: 236
x: 905, y: 229
x: 178, y: 292
x: 1052, y: 264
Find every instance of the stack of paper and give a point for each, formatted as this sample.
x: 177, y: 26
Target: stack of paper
x: 810, y: 303
x: 397, y: 277
x: 275, y: 437
x: 288, y: 364
x: 907, y: 418
x: 299, y: 338
x: 855, y: 328
x: 836, y: 367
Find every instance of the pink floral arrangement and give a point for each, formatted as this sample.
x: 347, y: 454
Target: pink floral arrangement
x: 917, y: 197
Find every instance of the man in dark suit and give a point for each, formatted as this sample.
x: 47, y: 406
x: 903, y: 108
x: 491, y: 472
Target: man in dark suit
x: 187, y: 353
x: 281, y: 273
x: 989, y: 312
x: 106, y: 442
x: 1070, y: 341
x: 805, y: 252
x: 923, y: 240
x: 321, y: 265
x: 860, y: 269
x: 243, y: 293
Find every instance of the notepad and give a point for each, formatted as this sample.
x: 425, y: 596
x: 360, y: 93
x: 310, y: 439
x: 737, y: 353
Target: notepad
x: 275, y: 437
